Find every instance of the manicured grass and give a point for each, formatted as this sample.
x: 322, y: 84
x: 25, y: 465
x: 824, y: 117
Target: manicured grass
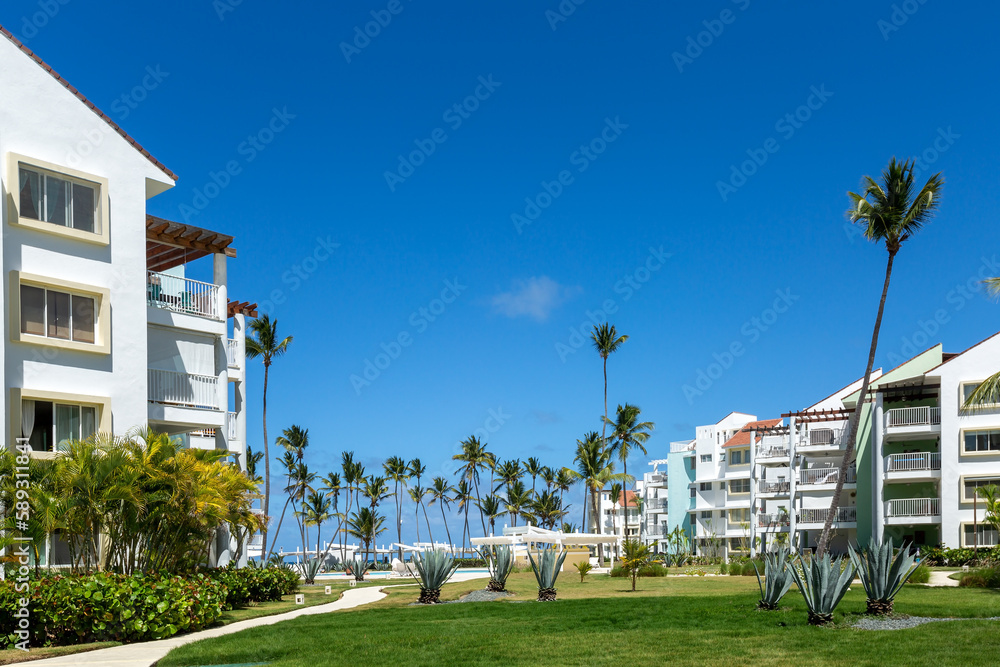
x: 681, y: 620
x: 11, y: 656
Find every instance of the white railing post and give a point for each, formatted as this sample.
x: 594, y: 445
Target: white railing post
x: 185, y: 295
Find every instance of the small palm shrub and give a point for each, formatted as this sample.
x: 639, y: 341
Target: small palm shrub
x: 636, y: 557
x: 584, y: 568
x: 823, y: 583
x: 883, y: 571
x: 500, y: 561
x: 777, y: 578
x: 434, y: 569
x: 546, y: 570
x: 358, y: 568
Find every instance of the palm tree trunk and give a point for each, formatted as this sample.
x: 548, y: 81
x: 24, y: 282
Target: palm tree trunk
x: 267, y: 467
x: 267, y: 554
x: 625, y: 499
x: 416, y: 520
x: 428, y: 522
x: 448, y: 532
x: 399, y: 524
x: 479, y: 503
x: 852, y: 424
x: 604, y: 426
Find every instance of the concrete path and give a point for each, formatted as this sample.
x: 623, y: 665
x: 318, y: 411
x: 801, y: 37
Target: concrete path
x: 939, y: 578
x: 145, y: 654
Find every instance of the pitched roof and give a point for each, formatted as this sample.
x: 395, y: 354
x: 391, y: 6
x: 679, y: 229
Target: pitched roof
x: 742, y: 437
x: 949, y: 356
x: 629, y: 498
x: 107, y: 119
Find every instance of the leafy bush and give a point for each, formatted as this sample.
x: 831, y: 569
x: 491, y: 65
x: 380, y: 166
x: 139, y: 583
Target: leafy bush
x: 470, y: 562
x: 985, y: 577
x: 650, y: 570
x: 723, y: 568
x: 110, y: 607
x: 942, y: 557
x: 921, y: 575
x: 253, y: 585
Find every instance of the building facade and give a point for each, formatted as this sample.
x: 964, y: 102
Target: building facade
x: 105, y: 332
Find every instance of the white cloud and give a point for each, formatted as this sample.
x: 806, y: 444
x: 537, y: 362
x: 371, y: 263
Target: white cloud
x: 535, y: 297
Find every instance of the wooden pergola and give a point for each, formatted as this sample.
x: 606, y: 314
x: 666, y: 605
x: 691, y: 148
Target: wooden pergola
x: 170, y: 244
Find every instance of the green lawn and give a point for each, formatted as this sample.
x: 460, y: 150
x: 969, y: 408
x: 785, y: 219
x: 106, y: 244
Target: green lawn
x: 682, y: 620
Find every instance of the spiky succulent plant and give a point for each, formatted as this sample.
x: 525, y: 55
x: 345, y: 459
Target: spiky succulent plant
x: 358, y: 568
x: 546, y: 570
x: 883, y: 570
x: 434, y: 568
x: 310, y: 569
x: 500, y: 562
x: 823, y: 583
x: 777, y: 578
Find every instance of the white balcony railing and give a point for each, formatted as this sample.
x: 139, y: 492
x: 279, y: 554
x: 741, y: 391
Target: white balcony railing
x: 826, y: 476
x: 187, y: 389
x: 844, y: 515
x: 765, y: 520
x: 183, y: 295
x: 913, y: 507
x: 656, y: 504
x: 232, y: 352
x: 922, y: 416
x: 824, y: 438
x: 781, y: 486
x: 913, y: 461
x: 772, y: 453
x: 231, y: 420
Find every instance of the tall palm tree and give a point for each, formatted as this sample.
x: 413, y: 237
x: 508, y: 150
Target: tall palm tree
x: 418, y: 470
x: 464, y: 498
x: 417, y: 494
x: 375, y: 490
x: 508, y: 472
x: 440, y: 490
x: 349, y: 469
x: 618, y: 499
x: 491, y: 507
x: 628, y: 433
x: 890, y: 212
x: 398, y: 472
x: 595, y: 468
x: 331, y: 488
x: 315, y: 510
x: 476, y: 458
x: 549, y: 477
x: 533, y: 467
x: 517, y: 499
x: 606, y: 342
x: 263, y: 342
x: 366, y: 524
x: 295, y: 440
x: 563, y: 482
x: 547, y: 510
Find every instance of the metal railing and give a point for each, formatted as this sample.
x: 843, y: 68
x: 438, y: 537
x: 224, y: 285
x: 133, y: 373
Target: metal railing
x: 844, y: 515
x: 231, y: 421
x: 656, y: 504
x: 824, y: 437
x: 772, y: 453
x: 811, y: 476
x: 183, y: 295
x: 187, y: 389
x: 913, y: 461
x: 232, y: 352
x: 913, y: 507
x: 781, y: 486
x: 922, y: 416
x: 765, y: 520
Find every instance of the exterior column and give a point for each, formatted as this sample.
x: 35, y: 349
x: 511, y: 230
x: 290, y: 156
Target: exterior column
x: 792, y: 537
x: 753, y: 493
x: 240, y: 402
x: 878, y: 466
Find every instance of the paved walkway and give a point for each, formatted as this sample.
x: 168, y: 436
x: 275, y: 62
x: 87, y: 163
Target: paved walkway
x: 939, y: 578
x: 144, y: 654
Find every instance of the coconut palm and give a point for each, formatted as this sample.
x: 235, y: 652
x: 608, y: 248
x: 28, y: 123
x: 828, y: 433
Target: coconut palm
x: 628, y: 434
x: 351, y: 472
x: 517, y: 499
x: 295, y: 441
x: 263, y: 342
x: 606, y: 342
x: 563, y: 481
x: 366, y: 524
x: 418, y: 470
x: 417, y: 494
x: 476, y: 458
x: 375, y: 490
x: 315, y: 510
x: 533, y: 467
x: 464, y: 498
x: 890, y: 212
x: 298, y: 482
x: 331, y: 488
x: 398, y: 472
x: 548, y: 476
x: 508, y: 472
x: 595, y: 468
x: 491, y: 507
x: 439, y: 492
x: 547, y: 510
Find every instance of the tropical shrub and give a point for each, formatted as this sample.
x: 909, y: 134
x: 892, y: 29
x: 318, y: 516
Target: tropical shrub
x: 823, y: 583
x: 635, y: 557
x: 252, y: 585
x: 649, y: 570
x: 723, y: 568
x: 109, y: 607
x: 942, y: 557
x: 777, y: 578
x: 500, y: 561
x: 471, y: 562
x: 883, y: 571
x: 546, y: 570
x: 985, y: 577
x: 921, y: 575
x: 583, y: 567
x: 434, y: 568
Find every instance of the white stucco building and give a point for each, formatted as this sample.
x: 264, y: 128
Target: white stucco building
x: 104, y: 331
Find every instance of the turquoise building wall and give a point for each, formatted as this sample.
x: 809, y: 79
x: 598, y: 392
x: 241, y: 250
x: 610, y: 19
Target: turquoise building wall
x: 680, y: 475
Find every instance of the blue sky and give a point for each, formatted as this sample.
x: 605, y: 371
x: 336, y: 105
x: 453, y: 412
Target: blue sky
x: 689, y: 165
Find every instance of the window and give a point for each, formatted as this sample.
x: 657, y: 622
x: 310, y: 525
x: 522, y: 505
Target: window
x: 739, y: 457
x: 705, y: 486
x: 706, y: 514
x: 985, y: 535
x: 57, y: 314
x: 739, y: 486
x: 694, y: 492
x: 969, y: 486
x: 967, y: 390
x: 53, y: 425
x: 739, y: 515
x: 706, y: 458
x: 982, y: 441
x: 57, y: 200
x: 691, y: 462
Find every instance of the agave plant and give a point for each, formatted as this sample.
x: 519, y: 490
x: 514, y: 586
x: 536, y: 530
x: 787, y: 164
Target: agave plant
x: 434, y: 568
x: 310, y: 569
x: 883, y: 571
x: 823, y: 583
x: 500, y: 562
x: 777, y: 578
x: 546, y: 570
x: 358, y: 568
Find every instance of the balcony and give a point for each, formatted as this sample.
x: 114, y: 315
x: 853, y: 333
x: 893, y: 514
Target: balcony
x: 809, y: 519
x: 773, y: 522
x: 772, y: 456
x: 183, y: 295
x: 231, y: 421
x: 912, y: 423
x: 825, y: 477
x: 656, y: 505
x: 823, y: 441
x: 913, y: 511
x: 232, y: 352
x: 913, y: 466
x: 183, y: 389
x: 778, y: 489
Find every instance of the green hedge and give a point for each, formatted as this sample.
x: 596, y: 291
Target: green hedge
x: 651, y: 570
x: 986, y: 577
x: 942, y: 557
x: 253, y: 585
x: 470, y: 562
x: 109, y: 607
